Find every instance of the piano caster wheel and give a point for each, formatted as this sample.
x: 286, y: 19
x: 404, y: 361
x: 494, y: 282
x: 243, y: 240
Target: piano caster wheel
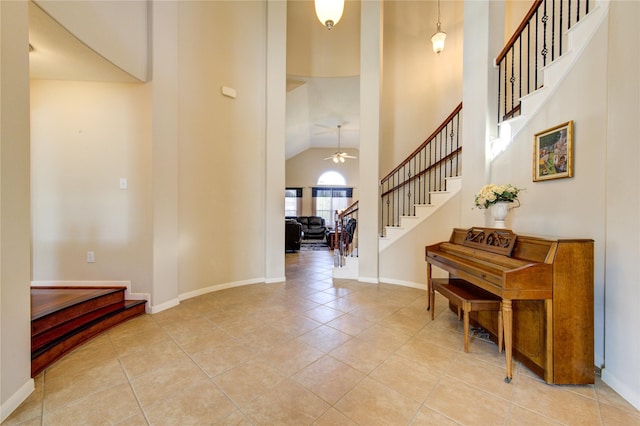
x: 507, y: 379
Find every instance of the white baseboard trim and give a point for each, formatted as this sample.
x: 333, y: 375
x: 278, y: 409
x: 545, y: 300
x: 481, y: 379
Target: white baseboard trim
x: 275, y: 280
x: 419, y: 286
x: 16, y: 399
x: 127, y: 293
x: 164, y: 306
x: 370, y: 280
x: 630, y: 393
x: 218, y: 287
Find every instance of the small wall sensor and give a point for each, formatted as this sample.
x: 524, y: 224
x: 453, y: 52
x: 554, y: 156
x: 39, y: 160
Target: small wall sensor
x: 229, y: 92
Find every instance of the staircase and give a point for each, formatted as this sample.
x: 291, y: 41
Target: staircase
x: 422, y: 213
x: 63, y: 318
x: 578, y: 37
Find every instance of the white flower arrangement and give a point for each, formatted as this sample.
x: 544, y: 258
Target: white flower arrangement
x: 491, y: 194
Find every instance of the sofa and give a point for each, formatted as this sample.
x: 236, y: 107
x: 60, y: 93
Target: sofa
x: 292, y: 235
x: 313, y: 227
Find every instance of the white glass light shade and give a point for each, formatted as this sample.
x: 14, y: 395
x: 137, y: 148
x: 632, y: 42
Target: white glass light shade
x: 438, y: 41
x: 335, y: 159
x: 329, y: 12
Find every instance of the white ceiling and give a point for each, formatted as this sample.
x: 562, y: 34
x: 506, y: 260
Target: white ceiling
x: 58, y: 55
x: 314, y: 110
x: 315, y: 105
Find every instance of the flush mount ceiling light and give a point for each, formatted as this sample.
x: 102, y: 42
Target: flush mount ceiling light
x: 339, y: 157
x: 438, y: 38
x: 329, y: 12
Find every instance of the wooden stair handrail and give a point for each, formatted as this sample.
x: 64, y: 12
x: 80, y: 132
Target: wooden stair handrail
x: 518, y: 32
x: 426, y: 142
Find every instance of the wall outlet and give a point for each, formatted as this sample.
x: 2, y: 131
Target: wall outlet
x: 124, y: 183
x: 91, y: 258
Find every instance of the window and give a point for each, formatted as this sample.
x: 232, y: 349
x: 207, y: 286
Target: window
x: 331, y: 178
x: 292, y: 201
x: 327, y: 200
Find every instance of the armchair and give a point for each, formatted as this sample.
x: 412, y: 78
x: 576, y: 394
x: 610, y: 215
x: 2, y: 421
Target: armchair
x: 292, y: 235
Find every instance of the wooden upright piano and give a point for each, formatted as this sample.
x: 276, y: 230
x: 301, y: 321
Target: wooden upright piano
x: 546, y: 286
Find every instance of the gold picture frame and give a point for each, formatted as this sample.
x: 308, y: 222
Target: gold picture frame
x: 553, y: 153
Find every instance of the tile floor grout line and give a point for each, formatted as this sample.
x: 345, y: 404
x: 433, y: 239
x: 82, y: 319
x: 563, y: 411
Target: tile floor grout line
x: 391, y: 318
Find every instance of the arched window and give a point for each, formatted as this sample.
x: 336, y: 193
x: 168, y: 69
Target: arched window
x: 331, y: 178
x: 331, y: 196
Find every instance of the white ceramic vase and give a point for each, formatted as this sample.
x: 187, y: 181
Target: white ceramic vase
x: 499, y: 212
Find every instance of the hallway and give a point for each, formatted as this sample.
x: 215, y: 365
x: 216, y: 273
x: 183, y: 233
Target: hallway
x: 311, y: 350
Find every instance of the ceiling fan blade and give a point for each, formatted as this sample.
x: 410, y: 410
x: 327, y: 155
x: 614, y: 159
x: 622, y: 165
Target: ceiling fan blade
x: 349, y: 156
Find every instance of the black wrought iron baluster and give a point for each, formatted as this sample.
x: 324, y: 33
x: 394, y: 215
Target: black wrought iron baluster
x: 499, y: 91
x: 519, y: 69
x: 404, y: 193
x: 394, y: 194
x: 560, y: 30
x: 512, y: 79
x: 440, y: 164
x: 426, y: 162
x: 382, y: 201
x: 416, y: 183
x: 545, y: 18
x: 388, y: 209
x: 529, y: 57
x: 450, y: 149
x: 422, y: 166
x: 536, y: 54
x: 578, y: 10
x: 408, y: 185
x: 399, y: 202
x: 429, y: 173
x: 458, y: 145
x: 505, y: 86
x: 416, y: 188
x: 553, y: 29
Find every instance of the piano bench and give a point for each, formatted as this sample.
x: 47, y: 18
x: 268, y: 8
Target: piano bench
x: 468, y: 298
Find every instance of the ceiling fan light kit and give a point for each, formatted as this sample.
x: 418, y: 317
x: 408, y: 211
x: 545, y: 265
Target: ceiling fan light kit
x: 339, y: 157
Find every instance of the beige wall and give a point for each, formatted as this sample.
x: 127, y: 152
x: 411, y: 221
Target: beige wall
x: 514, y: 12
x: 89, y: 135
x: 15, y: 318
x: 314, y: 43
x: 420, y: 88
x: 85, y: 137
x: 221, y: 143
x: 304, y: 169
x: 622, y: 195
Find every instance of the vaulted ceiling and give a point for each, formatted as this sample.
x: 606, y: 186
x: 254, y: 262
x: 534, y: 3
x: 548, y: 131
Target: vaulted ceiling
x: 322, y: 71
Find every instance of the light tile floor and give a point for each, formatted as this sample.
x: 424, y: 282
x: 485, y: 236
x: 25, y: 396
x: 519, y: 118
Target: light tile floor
x: 311, y: 350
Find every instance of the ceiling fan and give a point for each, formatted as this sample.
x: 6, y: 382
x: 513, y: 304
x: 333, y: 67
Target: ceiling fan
x: 339, y: 157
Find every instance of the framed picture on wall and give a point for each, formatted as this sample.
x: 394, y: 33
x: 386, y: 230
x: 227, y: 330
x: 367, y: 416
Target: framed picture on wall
x: 553, y: 153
